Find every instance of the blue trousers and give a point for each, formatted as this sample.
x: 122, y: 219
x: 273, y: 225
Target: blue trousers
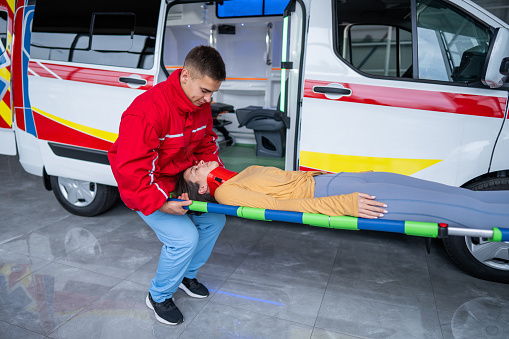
x: 187, y: 241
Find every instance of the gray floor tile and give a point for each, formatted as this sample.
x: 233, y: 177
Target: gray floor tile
x: 405, y: 296
x: 45, y: 299
x: 239, y: 236
x: 221, y: 321
x: 457, y: 283
x: 371, y: 319
x: 38, y: 244
x: 285, y: 295
x: 214, y: 273
x: 132, y: 225
x: 145, y: 273
x: 320, y: 333
x: 388, y: 264
x: 18, y: 223
x: 16, y: 265
x: 18, y: 332
x: 122, y: 313
x: 486, y: 317
x: 62, y: 237
x: 447, y: 333
x: 115, y: 254
x: 3, y: 327
x: 304, y: 250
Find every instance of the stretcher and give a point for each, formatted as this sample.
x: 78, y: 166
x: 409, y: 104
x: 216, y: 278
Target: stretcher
x: 415, y: 228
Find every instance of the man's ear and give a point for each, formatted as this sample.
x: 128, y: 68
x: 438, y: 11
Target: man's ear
x: 184, y: 76
x: 203, y: 189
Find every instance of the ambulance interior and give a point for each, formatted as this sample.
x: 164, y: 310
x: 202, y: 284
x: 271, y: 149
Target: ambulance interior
x: 251, y: 49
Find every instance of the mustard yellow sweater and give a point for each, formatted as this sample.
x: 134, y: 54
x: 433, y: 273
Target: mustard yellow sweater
x: 273, y: 188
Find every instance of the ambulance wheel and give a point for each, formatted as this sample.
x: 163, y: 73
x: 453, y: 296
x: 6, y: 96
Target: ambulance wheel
x: 83, y: 198
x: 477, y: 256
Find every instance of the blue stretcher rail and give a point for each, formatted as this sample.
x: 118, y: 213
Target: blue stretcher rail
x: 416, y: 228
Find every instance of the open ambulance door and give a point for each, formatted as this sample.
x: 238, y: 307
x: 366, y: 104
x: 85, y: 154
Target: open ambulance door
x: 292, y: 61
x: 403, y: 94
x: 7, y: 137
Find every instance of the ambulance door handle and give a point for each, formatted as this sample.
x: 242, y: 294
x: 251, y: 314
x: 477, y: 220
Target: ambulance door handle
x: 332, y: 90
x: 133, y: 81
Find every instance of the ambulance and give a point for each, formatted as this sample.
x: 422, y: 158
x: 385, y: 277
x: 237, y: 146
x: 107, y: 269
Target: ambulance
x: 415, y: 87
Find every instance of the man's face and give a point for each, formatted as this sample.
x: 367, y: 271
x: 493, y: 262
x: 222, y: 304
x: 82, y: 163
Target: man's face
x: 198, y: 90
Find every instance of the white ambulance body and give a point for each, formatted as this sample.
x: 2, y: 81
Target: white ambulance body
x: 407, y: 86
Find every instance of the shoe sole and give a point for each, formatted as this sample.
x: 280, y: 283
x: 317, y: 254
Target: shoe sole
x: 161, y: 320
x: 191, y: 294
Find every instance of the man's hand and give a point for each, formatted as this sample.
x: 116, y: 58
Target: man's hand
x: 369, y: 208
x: 176, y: 207
x: 184, y: 196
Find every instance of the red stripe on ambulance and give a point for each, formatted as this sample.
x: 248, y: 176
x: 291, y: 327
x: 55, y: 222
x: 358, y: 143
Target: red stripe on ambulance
x: 51, y: 130
x: 477, y: 105
x: 88, y: 75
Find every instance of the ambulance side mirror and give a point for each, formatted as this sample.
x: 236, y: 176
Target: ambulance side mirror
x: 504, y: 68
x: 496, y: 66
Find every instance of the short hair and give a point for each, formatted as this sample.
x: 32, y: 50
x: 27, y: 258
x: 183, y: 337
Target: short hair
x: 191, y: 188
x: 205, y: 61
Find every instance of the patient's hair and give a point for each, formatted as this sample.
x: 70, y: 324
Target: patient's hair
x: 205, y: 61
x: 191, y: 188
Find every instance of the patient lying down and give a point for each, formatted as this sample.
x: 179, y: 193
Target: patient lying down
x: 401, y: 197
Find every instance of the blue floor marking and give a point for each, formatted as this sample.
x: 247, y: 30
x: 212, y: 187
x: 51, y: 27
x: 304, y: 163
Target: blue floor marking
x: 249, y: 298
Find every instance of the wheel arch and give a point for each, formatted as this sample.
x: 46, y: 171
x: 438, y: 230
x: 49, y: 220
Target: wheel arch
x: 496, y: 174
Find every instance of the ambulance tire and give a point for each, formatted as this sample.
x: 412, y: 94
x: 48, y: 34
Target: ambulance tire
x: 83, y: 198
x: 463, y: 250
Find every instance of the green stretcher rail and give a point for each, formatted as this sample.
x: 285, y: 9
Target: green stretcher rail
x: 415, y: 228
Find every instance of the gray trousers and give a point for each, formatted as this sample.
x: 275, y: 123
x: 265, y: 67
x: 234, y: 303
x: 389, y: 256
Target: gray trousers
x: 413, y: 199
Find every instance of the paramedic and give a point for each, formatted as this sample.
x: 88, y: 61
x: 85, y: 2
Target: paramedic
x: 407, y: 198
x: 164, y: 131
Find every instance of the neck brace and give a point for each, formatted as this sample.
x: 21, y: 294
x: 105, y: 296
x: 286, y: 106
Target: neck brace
x: 218, y: 176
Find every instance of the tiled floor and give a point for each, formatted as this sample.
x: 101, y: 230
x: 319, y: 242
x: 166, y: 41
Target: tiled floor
x: 63, y: 276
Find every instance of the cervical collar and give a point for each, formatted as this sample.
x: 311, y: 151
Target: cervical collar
x: 218, y: 176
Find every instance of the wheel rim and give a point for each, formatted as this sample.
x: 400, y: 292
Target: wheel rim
x: 78, y: 193
x: 492, y: 254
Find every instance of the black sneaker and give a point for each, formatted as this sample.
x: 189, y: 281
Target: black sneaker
x: 193, y: 288
x: 166, y: 312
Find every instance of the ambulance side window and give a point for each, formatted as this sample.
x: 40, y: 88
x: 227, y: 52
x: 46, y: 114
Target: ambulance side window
x: 451, y: 46
x: 375, y: 37
x: 95, y: 32
x: 378, y: 49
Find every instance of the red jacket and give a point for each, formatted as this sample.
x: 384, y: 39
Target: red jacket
x: 161, y: 134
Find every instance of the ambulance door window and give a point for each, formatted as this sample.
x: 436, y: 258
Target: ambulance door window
x: 377, y: 41
x: 119, y: 33
x: 451, y: 46
x: 379, y: 49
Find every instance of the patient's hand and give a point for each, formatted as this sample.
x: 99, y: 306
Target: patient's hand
x: 369, y: 208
